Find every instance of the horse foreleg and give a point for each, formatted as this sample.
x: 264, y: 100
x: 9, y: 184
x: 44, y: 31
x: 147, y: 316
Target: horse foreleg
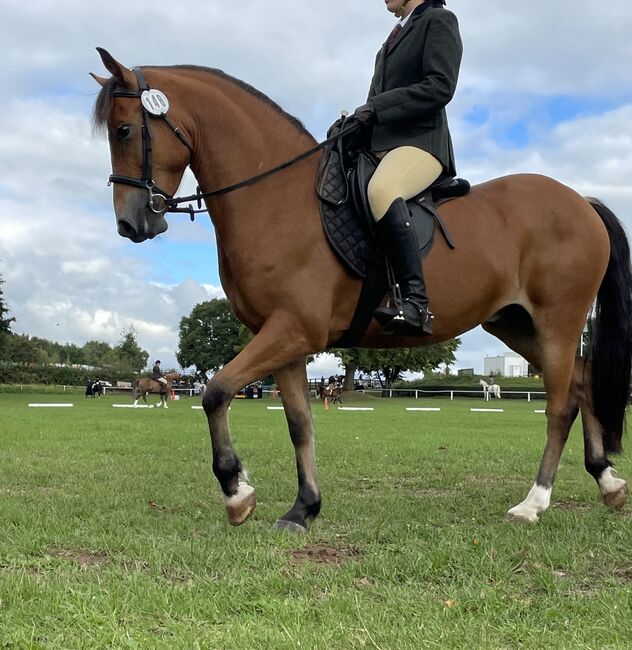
x: 293, y: 382
x: 272, y: 348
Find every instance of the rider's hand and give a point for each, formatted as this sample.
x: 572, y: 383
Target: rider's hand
x: 365, y: 114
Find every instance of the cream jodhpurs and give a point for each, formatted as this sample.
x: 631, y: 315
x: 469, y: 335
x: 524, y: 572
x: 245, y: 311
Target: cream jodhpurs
x: 403, y: 172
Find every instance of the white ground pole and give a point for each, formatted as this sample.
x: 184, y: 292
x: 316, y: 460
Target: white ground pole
x: 132, y: 406
x: 427, y: 410
x: 351, y: 408
x: 487, y: 410
x: 50, y: 406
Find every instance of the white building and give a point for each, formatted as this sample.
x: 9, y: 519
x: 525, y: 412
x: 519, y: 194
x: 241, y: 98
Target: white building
x: 509, y: 364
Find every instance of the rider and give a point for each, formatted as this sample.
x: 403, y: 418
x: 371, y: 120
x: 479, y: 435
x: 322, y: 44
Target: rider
x: 415, y: 77
x: 156, y: 374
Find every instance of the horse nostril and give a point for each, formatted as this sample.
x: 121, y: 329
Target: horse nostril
x: 125, y: 229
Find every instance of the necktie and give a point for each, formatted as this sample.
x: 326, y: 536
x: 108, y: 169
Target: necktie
x: 393, y: 36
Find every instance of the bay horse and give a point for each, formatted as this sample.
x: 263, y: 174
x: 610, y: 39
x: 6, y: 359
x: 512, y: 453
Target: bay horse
x: 147, y: 385
x: 330, y: 394
x: 531, y: 257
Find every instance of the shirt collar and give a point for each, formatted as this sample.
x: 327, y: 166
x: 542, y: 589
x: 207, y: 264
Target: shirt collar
x: 417, y: 10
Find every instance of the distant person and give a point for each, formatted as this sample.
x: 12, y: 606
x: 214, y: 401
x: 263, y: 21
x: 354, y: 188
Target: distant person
x: 156, y: 374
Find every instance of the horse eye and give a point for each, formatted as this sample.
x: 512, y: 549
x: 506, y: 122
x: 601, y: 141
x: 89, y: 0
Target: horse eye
x: 122, y: 132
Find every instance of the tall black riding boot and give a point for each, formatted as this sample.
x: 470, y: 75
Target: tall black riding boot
x: 411, y: 317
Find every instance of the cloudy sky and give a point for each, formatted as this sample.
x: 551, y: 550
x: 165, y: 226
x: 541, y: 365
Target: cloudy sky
x: 545, y: 87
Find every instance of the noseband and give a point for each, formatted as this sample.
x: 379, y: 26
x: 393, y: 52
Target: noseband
x: 155, y: 104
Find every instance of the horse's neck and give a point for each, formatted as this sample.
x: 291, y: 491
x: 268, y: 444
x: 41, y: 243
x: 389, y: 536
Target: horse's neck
x: 238, y: 136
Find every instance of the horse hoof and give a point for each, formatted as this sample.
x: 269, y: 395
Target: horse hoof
x: 239, y: 508
x: 519, y: 515
x: 285, y: 526
x: 617, y: 499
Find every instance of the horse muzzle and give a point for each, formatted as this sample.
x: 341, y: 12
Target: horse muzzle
x: 138, y: 220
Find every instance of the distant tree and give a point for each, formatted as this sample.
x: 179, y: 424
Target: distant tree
x: 5, y: 322
x: 130, y: 352
x: 53, y: 350
x: 389, y: 365
x: 127, y: 355
x: 71, y: 354
x: 94, y: 351
x: 22, y: 350
x: 210, y: 336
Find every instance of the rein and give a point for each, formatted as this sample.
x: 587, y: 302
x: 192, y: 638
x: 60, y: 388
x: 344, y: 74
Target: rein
x: 155, y: 104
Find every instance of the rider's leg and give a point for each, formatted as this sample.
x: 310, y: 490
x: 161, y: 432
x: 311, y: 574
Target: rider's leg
x: 163, y: 391
x: 402, y: 174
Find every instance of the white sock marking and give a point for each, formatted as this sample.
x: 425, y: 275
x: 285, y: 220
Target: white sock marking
x: 537, y: 501
x: 608, y: 482
x: 243, y: 492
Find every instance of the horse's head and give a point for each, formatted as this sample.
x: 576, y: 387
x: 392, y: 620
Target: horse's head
x: 147, y: 160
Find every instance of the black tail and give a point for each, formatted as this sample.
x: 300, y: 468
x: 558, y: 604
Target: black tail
x: 611, y: 344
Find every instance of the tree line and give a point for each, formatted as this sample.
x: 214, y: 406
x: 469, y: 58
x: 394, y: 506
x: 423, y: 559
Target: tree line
x: 25, y: 350
x: 209, y: 337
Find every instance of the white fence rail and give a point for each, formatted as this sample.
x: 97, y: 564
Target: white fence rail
x: 417, y: 393
x: 452, y: 392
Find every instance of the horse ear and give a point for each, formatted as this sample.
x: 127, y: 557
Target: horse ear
x: 123, y: 75
x: 100, y: 80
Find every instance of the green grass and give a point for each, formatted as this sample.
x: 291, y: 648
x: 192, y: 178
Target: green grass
x: 113, y: 533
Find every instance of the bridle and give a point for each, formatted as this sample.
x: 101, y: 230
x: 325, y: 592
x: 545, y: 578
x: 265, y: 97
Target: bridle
x: 146, y: 181
x: 155, y: 104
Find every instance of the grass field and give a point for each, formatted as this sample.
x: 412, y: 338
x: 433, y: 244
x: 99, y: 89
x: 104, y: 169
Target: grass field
x: 113, y: 533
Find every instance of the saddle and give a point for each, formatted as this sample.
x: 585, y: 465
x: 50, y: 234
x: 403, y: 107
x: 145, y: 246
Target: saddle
x: 342, y: 187
x: 163, y: 389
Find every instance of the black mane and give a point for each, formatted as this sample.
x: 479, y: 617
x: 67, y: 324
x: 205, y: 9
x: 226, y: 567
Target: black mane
x: 103, y: 104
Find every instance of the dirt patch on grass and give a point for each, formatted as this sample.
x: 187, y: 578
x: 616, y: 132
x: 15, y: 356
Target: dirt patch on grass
x: 431, y: 492
x: 401, y: 485
x: 572, y: 505
x: 165, y: 510
x: 84, y: 559
x: 624, y: 573
x: 177, y: 575
x: 325, y: 554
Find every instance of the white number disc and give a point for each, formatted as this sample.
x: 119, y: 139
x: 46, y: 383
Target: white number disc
x: 155, y: 101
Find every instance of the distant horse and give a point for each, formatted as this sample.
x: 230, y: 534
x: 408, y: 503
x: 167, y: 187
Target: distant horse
x: 334, y: 394
x: 531, y: 256
x: 330, y: 394
x: 148, y: 385
x: 490, y: 389
x: 94, y: 388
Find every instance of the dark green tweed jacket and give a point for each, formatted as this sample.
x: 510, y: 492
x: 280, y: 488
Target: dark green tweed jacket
x: 413, y: 83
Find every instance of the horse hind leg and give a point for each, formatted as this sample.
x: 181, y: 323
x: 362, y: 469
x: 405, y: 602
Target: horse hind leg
x: 555, y: 355
x: 614, y: 491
